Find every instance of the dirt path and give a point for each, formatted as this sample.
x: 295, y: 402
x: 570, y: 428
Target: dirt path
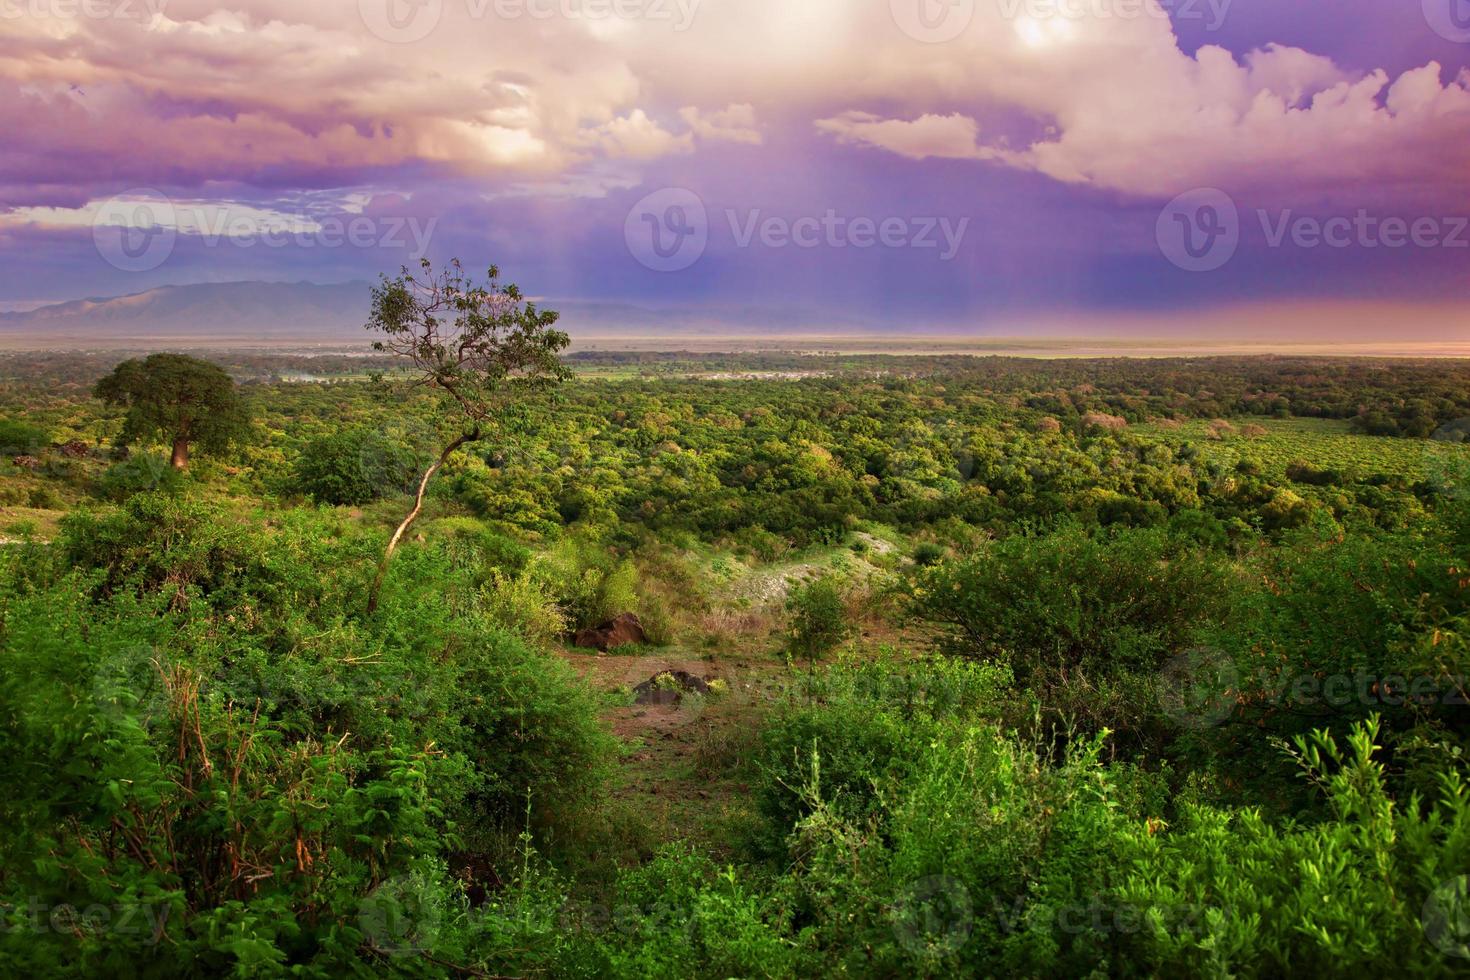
x: 684, y: 770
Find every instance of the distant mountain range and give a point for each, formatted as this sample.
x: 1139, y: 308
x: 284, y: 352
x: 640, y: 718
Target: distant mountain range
x: 206, y: 311
x: 278, y: 312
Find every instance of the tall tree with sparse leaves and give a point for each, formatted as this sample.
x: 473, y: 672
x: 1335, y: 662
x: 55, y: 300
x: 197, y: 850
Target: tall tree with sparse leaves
x: 179, y: 400
x: 479, y: 345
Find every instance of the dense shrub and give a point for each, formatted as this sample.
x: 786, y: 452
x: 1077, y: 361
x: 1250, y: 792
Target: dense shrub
x: 819, y: 621
x: 860, y: 721
x: 1073, y: 603
x: 590, y: 584
x: 354, y: 466
x: 18, y: 438
x: 214, y: 739
x: 139, y: 473
x: 1332, y: 632
x: 160, y: 542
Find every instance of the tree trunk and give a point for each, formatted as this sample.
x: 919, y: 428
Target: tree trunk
x: 181, y: 453
x: 418, y: 505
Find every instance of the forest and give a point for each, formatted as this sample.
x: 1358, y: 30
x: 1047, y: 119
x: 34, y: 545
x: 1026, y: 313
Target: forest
x: 738, y: 665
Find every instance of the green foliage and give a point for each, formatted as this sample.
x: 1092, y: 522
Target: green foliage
x: 521, y: 604
x: 590, y: 584
x: 1071, y: 602
x: 1334, y: 632
x: 928, y: 553
x: 207, y: 733
x: 139, y: 473
x: 354, y: 467
x: 819, y: 619
x: 179, y: 400
x: 864, y: 718
x: 471, y: 341
x: 18, y: 438
x: 160, y: 543
x: 216, y: 746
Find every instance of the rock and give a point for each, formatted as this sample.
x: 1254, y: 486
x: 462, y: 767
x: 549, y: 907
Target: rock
x: 26, y: 462
x: 669, y: 687
x: 76, y: 449
x: 619, y: 632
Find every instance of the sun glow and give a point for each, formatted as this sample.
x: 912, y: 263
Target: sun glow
x: 1039, y: 33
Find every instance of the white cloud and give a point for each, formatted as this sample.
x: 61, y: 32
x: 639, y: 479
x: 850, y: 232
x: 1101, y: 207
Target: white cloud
x: 734, y: 124
x: 637, y: 137
x: 281, y: 92
x: 952, y: 137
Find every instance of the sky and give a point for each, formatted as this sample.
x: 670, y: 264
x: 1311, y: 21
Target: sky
x: 914, y: 166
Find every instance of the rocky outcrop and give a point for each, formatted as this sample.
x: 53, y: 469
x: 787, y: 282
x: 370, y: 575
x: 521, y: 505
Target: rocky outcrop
x: 619, y: 632
x: 669, y: 687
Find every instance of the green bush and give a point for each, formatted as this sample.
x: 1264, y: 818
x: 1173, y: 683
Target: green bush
x: 590, y: 584
x: 354, y: 467
x: 928, y: 553
x: 159, y: 811
x: 1332, y: 632
x: 819, y: 620
x: 1069, y: 602
x: 19, y: 438
x: 139, y: 473
x: 520, y: 604
x: 862, y: 718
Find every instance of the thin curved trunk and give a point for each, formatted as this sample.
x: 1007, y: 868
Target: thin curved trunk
x: 418, y: 505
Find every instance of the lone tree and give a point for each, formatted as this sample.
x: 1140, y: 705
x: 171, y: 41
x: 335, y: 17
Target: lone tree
x: 478, y: 345
x: 179, y: 400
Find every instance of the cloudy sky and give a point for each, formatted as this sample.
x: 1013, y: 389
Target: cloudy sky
x: 917, y: 165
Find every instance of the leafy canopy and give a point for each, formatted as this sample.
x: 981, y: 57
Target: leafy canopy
x: 172, y: 398
x: 469, y: 340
